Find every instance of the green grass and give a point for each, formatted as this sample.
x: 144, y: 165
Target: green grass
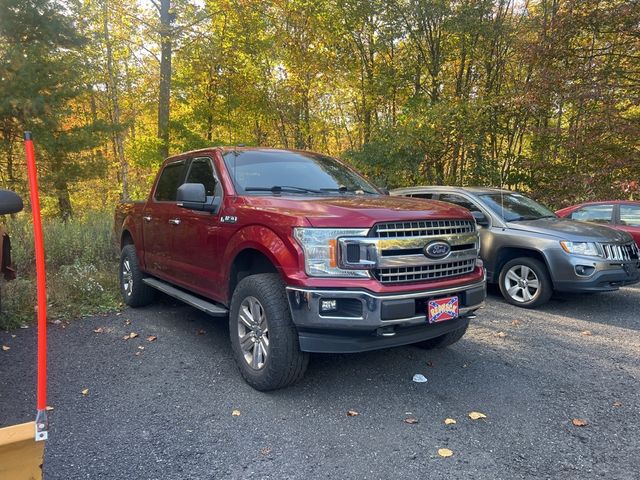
x: 81, y: 263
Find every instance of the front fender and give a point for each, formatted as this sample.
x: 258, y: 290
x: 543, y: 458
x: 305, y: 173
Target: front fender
x: 283, y: 253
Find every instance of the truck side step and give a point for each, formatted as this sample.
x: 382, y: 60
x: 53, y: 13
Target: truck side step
x: 197, y: 302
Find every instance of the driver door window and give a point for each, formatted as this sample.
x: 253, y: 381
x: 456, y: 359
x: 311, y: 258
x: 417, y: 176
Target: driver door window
x: 594, y: 213
x: 201, y: 171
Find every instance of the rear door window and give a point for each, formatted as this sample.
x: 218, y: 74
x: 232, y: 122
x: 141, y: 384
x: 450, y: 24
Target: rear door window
x: 630, y: 215
x: 169, y: 181
x: 594, y: 213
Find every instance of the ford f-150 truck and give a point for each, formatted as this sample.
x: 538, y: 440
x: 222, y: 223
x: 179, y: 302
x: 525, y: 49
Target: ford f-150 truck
x: 302, y: 254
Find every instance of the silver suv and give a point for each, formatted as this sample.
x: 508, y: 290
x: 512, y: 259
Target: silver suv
x: 530, y: 252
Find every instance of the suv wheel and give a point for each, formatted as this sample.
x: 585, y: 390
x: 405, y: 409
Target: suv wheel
x: 135, y: 292
x: 263, y: 336
x: 525, y: 282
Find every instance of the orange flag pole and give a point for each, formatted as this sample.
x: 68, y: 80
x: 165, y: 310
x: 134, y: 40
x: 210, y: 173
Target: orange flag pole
x: 41, y: 402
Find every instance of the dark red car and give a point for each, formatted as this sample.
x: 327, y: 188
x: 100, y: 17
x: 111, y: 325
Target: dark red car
x: 619, y: 214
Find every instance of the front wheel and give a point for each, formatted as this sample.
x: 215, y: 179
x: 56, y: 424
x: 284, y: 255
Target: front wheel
x: 263, y: 337
x: 525, y: 282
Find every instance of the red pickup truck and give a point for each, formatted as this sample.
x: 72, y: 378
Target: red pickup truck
x: 302, y: 254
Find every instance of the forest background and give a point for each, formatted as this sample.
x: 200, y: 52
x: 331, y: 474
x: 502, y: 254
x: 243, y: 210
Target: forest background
x: 537, y: 95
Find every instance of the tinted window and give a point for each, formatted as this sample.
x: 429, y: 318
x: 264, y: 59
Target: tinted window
x: 428, y: 196
x: 514, y: 207
x: 302, y: 173
x: 458, y: 200
x: 594, y: 213
x: 630, y: 215
x: 201, y: 171
x: 169, y: 181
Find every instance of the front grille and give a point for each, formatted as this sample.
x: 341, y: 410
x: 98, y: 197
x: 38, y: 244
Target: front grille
x: 423, y: 228
x: 424, y: 272
x: 620, y: 252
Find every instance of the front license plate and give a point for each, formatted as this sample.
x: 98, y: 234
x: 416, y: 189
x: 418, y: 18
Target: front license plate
x: 442, y: 309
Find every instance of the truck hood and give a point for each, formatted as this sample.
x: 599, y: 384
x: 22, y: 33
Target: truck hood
x: 358, y: 211
x: 571, y: 230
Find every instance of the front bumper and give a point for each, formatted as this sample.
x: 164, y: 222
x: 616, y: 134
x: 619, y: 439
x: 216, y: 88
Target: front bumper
x: 366, y: 321
x: 601, y: 275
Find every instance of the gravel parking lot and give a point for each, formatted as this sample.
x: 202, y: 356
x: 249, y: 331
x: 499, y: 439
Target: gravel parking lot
x: 165, y: 411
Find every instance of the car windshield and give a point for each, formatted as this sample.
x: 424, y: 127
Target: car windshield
x: 300, y: 173
x: 514, y: 207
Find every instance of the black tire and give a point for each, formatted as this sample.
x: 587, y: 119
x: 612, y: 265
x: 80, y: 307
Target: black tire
x: 136, y: 293
x: 522, y: 295
x: 444, y: 340
x: 284, y: 363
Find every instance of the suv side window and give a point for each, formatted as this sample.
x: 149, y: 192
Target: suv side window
x: 460, y: 201
x: 594, y: 213
x: 630, y: 215
x: 201, y: 171
x: 169, y: 181
x: 428, y: 196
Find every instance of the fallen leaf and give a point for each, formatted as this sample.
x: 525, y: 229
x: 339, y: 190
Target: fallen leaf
x: 48, y: 408
x: 140, y: 347
x: 13, y: 336
x: 85, y: 391
x: 411, y: 420
x: 137, y: 354
x: 265, y: 450
x: 501, y: 335
x: 6, y: 348
x: 465, y: 365
x: 235, y: 413
x: 127, y: 322
x: 476, y: 415
x: 118, y: 314
x: 449, y: 421
x: 130, y: 336
x: 352, y: 413
x: 201, y: 332
x: 152, y: 338
x: 515, y: 322
x: 616, y: 404
x: 429, y: 364
x: 586, y: 333
x: 445, y: 452
x: 99, y: 330
x: 578, y: 422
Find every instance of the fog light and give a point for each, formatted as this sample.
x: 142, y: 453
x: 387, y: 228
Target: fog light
x: 584, y: 270
x: 328, y: 305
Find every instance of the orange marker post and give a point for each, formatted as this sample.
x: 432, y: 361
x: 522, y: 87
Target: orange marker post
x: 41, y: 402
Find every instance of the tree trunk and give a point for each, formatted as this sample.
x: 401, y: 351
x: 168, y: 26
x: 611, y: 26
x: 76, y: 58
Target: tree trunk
x: 115, y: 105
x: 166, y: 17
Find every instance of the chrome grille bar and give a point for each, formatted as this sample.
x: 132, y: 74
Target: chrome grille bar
x: 424, y: 272
x: 423, y: 228
x: 626, y: 252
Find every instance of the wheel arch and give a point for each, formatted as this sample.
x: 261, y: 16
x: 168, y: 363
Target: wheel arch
x: 506, y: 254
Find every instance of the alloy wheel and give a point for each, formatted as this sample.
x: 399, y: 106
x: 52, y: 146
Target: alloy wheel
x: 253, y: 332
x: 522, y: 284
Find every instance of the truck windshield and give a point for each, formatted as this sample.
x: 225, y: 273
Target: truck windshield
x: 514, y: 207
x: 260, y: 172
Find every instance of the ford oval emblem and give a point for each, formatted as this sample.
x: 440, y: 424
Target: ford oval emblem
x: 437, y: 250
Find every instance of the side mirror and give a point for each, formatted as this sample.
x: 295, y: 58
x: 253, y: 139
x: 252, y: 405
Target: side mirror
x: 10, y: 202
x: 191, y: 193
x: 193, y: 196
x: 480, y: 218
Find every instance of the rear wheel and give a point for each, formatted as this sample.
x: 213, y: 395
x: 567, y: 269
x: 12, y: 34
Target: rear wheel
x: 444, y: 340
x: 525, y: 282
x: 263, y: 336
x: 135, y: 292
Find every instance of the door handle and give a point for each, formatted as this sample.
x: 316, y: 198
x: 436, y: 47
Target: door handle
x: 174, y: 221
x: 147, y: 218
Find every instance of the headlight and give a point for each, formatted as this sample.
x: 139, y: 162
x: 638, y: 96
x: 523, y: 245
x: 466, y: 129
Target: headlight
x: 320, y: 247
x: 581, y: 248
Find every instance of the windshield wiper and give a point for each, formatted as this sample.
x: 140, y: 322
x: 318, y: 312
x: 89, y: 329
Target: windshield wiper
x: 281, y: 188
x: 343, y: 189
x: 525, y: 218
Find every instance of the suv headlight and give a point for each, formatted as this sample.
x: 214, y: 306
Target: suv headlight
x: 581, y: 248
x: 320, y: 247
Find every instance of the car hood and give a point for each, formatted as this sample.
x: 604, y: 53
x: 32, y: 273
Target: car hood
x: 571, y: 230
x: 357, y: 211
